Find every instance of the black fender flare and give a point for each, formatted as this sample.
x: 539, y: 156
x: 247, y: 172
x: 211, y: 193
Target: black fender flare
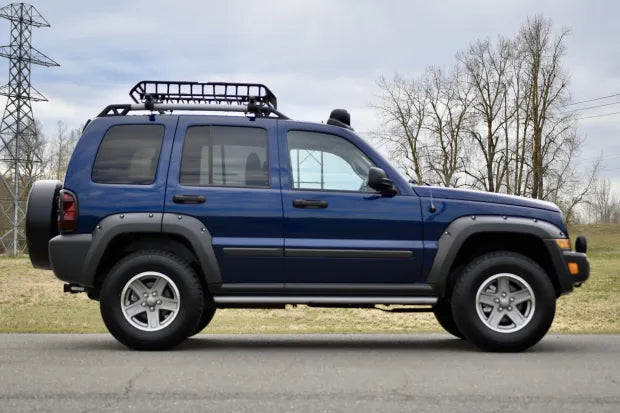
x: 187, y: 227
x: 459, y: 230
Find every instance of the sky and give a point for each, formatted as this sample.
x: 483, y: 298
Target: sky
x: 314, y: 55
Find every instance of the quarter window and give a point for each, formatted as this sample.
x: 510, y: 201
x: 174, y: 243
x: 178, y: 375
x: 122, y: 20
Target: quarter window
x: 129, y: 154
x: 225, y: 156
x: 323, y: 161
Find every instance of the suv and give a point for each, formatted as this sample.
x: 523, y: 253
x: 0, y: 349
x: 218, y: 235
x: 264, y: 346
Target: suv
x: 166, y: 216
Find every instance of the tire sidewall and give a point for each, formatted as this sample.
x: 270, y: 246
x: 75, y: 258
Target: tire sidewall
x: 190, y: 309
x: 464, y: 302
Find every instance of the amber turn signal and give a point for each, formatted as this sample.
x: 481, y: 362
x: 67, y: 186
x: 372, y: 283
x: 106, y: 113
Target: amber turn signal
x: 563, y: 243
x: 573, y: 268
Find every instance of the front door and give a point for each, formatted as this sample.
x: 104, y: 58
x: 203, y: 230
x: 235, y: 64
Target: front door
x: 224, y: 173
x: 337, y: 230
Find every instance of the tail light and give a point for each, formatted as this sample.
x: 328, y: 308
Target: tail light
x: 67, y: 212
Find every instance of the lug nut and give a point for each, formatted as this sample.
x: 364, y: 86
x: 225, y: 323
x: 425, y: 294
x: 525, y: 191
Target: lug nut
x: 512, y: 299
x: 503, y: 294
x: 496, y: 300
x: 509, y: 308
x: 501, y: 308
x: 146, y: 295
x: 158, y: 301
x: 154, y: 293
x: 143, y: 304
x: 152, y: 308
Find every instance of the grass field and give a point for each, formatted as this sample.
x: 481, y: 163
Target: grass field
x: 32, y: 301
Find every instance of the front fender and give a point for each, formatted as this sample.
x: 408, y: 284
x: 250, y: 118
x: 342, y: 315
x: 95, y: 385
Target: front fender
x: 457, y: 233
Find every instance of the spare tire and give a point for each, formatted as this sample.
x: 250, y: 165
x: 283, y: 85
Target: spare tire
x: 41, y: 221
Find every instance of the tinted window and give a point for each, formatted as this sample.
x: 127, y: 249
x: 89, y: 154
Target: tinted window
x: 323, y: 161
x: 129, y: 154
x: 223, y: 155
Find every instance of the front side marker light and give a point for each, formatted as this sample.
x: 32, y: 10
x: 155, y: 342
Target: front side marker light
x: 563, y: 243
x: 573, y: 268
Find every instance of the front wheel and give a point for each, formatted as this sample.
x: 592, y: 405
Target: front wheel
x: 503, y: 301
x: 443, y: 315
x: 151, y: 300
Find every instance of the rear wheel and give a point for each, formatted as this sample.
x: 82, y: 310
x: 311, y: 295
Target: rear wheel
x: 207, y: 315
x: 503, y: 301
x: 151, y: 300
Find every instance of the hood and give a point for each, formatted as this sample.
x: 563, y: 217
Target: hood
x: 482, y: 196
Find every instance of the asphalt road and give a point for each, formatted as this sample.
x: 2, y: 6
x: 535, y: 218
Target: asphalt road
x: 308, y: 373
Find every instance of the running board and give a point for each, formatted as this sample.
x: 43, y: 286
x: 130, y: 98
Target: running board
x: 345, y: 300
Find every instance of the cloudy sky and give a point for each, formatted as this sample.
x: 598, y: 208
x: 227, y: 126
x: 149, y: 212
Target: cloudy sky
x: 315, y: 55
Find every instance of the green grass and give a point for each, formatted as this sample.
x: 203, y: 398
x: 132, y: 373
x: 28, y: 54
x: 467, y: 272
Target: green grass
x: 32, y: 301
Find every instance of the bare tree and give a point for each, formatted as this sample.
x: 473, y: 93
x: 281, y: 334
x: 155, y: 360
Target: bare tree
x: 542, y: 52
x: 497, y: 121
x: 402, y: 107
x: 60, y: 149
x: 488, y: 71
x: 604, y: 205
x: 449, y: 99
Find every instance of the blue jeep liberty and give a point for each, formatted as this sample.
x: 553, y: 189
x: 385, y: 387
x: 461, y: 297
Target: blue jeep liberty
x: 212, y: 198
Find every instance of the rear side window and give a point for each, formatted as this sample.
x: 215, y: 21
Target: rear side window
x: 225, y: 156
x: 129, y: 154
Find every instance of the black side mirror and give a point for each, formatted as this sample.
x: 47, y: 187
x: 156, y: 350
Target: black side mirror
x: 378, y: 180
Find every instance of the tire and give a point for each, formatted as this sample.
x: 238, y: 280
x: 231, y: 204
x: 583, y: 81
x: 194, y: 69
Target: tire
x: 207, y: 315
x: 443, y: 314
x: 173, y: 303
x: 495, y: 321
x: 41, y: 217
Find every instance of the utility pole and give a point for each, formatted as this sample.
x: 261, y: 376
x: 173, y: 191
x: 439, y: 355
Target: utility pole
x: 18, y: 151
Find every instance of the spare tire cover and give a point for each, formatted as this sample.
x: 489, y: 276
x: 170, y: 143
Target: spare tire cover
x: 41, y: 220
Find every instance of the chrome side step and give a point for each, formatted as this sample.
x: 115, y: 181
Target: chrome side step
x: 249, y: 299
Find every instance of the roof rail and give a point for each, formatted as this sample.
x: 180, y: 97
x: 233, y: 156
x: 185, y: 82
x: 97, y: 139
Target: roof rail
x: 156, y: 95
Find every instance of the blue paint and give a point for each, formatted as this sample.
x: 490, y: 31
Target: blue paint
x: 265, y: 217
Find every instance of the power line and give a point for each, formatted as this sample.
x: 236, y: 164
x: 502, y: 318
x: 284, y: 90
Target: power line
x: 598, y: 116
x: 593, y: 107
x: 593, y: 100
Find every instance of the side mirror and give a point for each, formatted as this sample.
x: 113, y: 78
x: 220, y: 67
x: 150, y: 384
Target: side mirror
x: 378, y: 180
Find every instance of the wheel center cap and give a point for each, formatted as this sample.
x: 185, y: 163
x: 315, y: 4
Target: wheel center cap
x: 504, y: 302
x: 151, y: 301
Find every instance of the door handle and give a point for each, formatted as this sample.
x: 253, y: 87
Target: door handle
x: 309, y: 203
x: 188, y: 199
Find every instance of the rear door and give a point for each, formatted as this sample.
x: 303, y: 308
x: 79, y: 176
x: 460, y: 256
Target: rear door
x: 224, y: 173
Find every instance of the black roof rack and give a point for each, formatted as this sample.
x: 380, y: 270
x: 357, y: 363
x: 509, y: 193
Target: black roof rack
x: 157, y: 95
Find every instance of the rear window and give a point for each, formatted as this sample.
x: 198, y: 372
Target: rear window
x: 225, y: 156
x: 129, y: 154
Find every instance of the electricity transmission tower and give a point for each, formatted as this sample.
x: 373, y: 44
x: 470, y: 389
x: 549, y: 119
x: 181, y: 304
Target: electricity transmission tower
x: 20, y: 144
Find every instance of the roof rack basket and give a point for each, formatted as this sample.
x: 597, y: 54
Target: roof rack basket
x: 157, y: 95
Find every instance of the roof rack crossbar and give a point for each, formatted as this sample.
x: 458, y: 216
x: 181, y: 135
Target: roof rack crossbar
x: 124, y: 109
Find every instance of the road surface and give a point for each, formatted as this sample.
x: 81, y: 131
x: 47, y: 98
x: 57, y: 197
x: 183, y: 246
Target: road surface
x: 308, y: 373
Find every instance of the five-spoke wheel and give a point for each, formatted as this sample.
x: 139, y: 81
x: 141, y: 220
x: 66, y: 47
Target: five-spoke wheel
x: 503, y: 301
x: 152, y: 300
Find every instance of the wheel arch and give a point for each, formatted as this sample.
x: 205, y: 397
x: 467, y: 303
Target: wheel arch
x: 469, y: 237
x: 121, y: 234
